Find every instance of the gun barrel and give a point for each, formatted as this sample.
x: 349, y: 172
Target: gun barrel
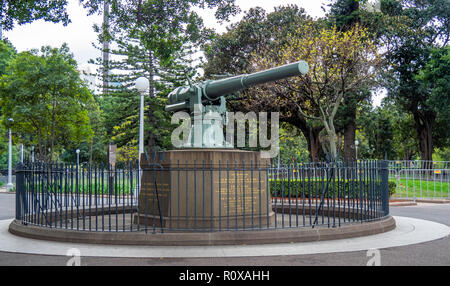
x: 215, y: 89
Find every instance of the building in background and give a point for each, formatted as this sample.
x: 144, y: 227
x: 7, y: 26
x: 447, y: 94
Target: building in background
x: 88, y: 75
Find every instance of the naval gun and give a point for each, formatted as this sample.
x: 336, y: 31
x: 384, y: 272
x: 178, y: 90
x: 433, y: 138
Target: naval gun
x: 206, y: 102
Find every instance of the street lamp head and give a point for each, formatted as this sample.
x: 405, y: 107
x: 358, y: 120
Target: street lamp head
x: 78, y: 151
x: 356, y: 142
x: 142, y: 84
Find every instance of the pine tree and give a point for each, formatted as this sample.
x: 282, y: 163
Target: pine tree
x: 154, y: 39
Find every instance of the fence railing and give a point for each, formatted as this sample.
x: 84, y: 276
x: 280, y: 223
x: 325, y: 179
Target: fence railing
x: 418, y: 164
x: 201, y: 196
x: 421, y: 183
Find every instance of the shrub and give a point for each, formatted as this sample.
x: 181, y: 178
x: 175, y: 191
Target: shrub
x: 392, y: 187
x: 337, y: 189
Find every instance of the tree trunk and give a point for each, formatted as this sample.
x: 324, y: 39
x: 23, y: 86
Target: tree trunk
x: 332, y: 142
x: 314, y: 145
x: 424, y: 127
x: 349, y: 140
x: 425, y: 144
x: 105, y: 47
x: 311, y: 134
x: 424, y: 122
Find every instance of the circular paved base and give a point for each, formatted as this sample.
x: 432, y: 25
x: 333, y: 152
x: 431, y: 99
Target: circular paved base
x: 287, y: 235
x: 408, y: 231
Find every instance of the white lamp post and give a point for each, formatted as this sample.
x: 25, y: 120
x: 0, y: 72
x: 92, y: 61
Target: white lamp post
x: 10, y: 185
x: 356, y: 147
x: 142, y: 85
x: 78, y: 157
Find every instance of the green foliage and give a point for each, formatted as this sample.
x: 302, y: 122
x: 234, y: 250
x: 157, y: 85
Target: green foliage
x: 386, y: 131
x: 154, y: 39
x: 232, y: 52
x: 392, y: 187
x: 23, y: 12
x: 405, y: 142
x: 377, y: 127
x: 95, y: 149
x: 293, y: 146
x: 314, y: 188
x: 345, y: 13
x: 412, y: 29
x: 224, y: 8
x: 44, y: 95
x: 435, y: 78
x: 442, y: 154
x: 4, y: 155
x: 257, y: 34
x: 7, y: 53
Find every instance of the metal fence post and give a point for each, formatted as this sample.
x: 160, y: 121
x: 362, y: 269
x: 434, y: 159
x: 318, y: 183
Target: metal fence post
x: 385, y: 186
x: 21, y: 204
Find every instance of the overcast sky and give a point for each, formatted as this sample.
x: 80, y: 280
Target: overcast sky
x: 79, y: 34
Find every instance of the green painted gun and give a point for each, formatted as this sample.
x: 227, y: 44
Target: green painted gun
x: 205, y: 102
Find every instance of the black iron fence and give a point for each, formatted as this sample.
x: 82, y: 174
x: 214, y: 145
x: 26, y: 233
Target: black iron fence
x: 200, y: 196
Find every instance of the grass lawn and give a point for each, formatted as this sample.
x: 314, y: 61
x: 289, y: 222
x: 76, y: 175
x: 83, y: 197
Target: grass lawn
x: 424, y: 189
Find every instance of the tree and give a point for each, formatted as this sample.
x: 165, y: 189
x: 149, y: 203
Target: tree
x: 405, y: 138
x: 22, y: 12
x: 44, y: 95
x: 153, y: 39
x: 7, y: 53
x: 257, y: 34
x: 231, y: 52
x: 412, y: 29
x: 435, y: 78
x: 293, y: 146
x: 377, y: 127
x: 93, y: 150
x: 343, y: 15
x: 340, y: 64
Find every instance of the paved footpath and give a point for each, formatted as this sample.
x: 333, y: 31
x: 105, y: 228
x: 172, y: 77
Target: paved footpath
x: 430, y: 253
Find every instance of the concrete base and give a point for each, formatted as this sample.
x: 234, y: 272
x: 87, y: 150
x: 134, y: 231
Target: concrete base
x: 292, y: 235
x: 402, y: 204
x: 420, y: 200
x: 207, y: 223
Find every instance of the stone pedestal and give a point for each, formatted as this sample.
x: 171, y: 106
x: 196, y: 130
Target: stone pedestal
x: 205, y: 189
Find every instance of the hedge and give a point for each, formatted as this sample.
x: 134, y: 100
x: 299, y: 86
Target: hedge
x: 294, y: 188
